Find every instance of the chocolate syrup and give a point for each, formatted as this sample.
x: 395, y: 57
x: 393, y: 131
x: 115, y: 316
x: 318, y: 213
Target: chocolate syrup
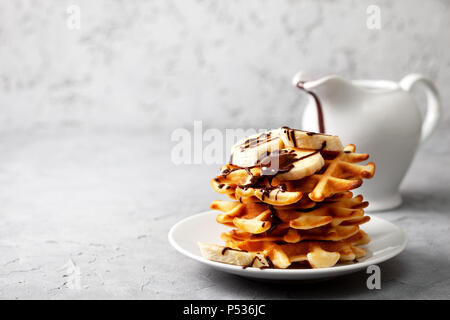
x: 275, y: 220
x: 278, y: 161
x: 311, y: 154
x: 225, y: 250
x: 318, y: 106
x: 267, y: 190
x: 251, y: 263
x: 254, y: 142
x: 271, y: 164
x: 291, y: 134
x: 269, y: 266
x: 255, y: 181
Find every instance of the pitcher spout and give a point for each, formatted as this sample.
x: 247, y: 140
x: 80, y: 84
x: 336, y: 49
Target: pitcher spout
x: 328, y: 87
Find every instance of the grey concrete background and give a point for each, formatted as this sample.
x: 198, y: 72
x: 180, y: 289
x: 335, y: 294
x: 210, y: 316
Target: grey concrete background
x: 164, y: 64
x: 86, y: 177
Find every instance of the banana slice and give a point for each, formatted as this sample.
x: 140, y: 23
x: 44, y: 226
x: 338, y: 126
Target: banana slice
x: 310, y: 140
x: 259, y: 224
x: 248, y: 151
x: 252, y: 225
x: 277, y: 196
x: 231, y: 256
x: 293, y: 164
x: 320, y: 258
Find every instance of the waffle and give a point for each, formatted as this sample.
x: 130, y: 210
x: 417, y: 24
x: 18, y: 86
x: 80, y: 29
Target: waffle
x: 318, y: 254
x: 339, y: 174
x: 260, y: 217
x: 290, y: 235
x: 291, y: 201
x: 236, y: 182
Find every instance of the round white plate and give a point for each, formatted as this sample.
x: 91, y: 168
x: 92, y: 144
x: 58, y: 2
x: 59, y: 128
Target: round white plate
x: 387, y: 241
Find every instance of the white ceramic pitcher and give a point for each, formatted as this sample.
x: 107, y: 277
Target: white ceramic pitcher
x: 381, y: 118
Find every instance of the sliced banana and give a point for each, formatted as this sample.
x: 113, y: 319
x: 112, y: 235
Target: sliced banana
x: 274, y: 196
x: 231, y: 256
x: 320, y: 258
x: 248, y: 151
x: 277, y: 196
x: 310, y: 140
x: 306, y: 164
x: 307, y: 221
x: 252, y: 225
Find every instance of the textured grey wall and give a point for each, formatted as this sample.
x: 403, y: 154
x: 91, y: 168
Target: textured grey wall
x: 165, y: 63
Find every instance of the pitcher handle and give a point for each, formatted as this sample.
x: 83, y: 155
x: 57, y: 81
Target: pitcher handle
x: 433, y: 102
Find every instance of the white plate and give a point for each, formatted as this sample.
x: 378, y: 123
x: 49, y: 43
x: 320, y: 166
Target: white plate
x: 387, y: 241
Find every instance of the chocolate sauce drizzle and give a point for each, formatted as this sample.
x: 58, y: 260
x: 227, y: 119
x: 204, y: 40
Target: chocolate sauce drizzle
x: 291, y: 136
x: 318, y: 106
x: 274, y: 219
x: 269, y: 262
x: 251, y: 263
x: 254, y: 142
x: 278, y: 161
x: 269, y: 266
x: 261, y: 182
x: 224, y: 250
x: 271, y: 164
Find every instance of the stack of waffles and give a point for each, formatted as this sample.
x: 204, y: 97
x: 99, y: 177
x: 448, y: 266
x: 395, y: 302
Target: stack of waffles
x: 291, y: 204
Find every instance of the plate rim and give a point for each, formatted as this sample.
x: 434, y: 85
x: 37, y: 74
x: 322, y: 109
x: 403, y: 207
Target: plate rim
x: 286, y: 272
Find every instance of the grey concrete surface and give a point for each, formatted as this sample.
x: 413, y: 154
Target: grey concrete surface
x: 104, y: 201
